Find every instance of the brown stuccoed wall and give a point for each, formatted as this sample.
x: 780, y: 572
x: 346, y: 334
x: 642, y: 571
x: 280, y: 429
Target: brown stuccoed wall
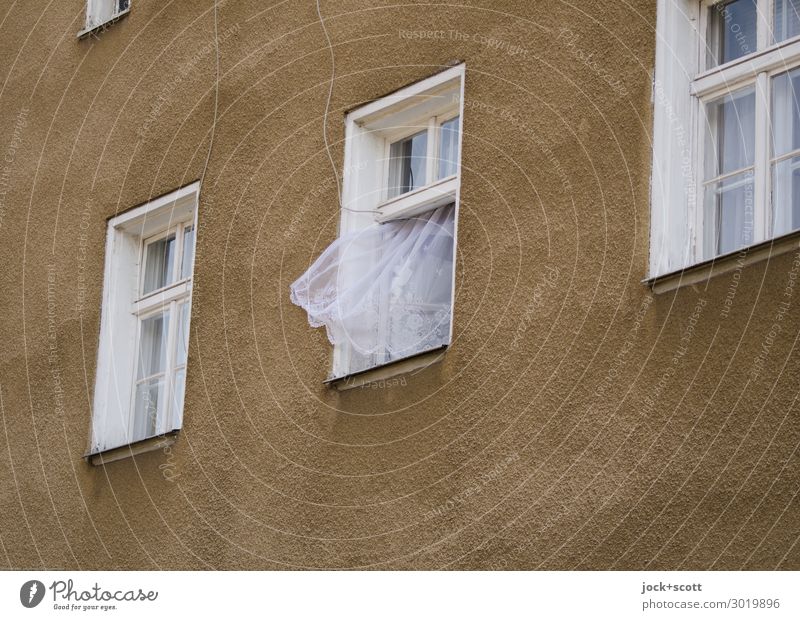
x: 576, y: 422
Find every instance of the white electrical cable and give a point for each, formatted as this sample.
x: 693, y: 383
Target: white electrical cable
x: 325, y: 119
x: 328, y: 104
x: 216, y: 99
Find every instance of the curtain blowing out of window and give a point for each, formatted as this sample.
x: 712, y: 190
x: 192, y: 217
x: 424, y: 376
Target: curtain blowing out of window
x: 386, y: 290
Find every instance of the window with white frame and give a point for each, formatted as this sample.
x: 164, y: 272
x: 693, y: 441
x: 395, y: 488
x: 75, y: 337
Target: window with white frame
x: 144, y: 333
x: 99, y: 12
x: 384, y: 289
x: 726, y: 171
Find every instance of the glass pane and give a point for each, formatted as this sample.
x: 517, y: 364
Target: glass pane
x: 448, y: 148
x: 732, y: 31
x: 785, y: 113
x: 159, y: 258
x: 177, y: 397
x: 188, y: 252
x: 786, y: 196
x: 729, y: 213
x: 421, y: 287
x: 149, y: 408
x: 787, y: 19
x: 182, y: 343
x: 407, y: 160
x: 153, y: 345
x: 730, y: 133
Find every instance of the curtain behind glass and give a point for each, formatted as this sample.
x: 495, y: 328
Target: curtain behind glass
x: 785, y: 140
x: 149, y: 402
x: 448, y: 148
x: 384, y: 291
x: 158, y: 264
x: 732, y: 30
x: 730, y: 147
x: 787, y: 19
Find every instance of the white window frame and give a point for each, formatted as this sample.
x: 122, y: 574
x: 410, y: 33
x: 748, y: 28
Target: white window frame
x: 98, y: 14
x: 125, y: 306
x: 369, y: 132
x: 683, y: 85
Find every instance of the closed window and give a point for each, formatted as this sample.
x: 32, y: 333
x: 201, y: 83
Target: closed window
x: 162, y: 310
x: 144, y: 340
x: 727, y: 128
x: 384, y: 289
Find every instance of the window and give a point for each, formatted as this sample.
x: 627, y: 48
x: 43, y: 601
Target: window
x: 103, y: 12
x: 144, y: 333
x: 384, y: 289
x: 727, y: 128
x: 416, y: 161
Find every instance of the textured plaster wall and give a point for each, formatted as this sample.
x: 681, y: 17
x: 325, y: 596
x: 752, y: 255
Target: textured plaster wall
x: 576, y: 422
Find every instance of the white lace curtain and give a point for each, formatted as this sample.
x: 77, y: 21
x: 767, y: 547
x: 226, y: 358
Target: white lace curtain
x: 385, y: 291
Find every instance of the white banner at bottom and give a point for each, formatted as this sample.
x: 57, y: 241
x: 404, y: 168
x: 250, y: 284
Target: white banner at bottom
x: 355, y: 595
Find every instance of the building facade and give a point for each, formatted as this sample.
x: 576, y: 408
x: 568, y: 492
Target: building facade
x: 615, y: 387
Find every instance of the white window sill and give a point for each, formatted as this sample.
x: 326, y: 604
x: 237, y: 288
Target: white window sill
x: 378, y: 374
x: 90, y: 30
x: 137, y: 447
x: 701, y: 272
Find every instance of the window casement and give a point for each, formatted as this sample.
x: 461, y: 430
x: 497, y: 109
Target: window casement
x: 726, y: 161
x: 384, y: 289
x: 100, y: 13
x: 144, y: 331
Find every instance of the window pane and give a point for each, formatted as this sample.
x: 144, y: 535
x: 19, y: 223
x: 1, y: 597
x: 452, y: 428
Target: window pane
x: 420, y: 288
x: 785, y: 113
x: 188, y: 252
x: 732, y: 31
x: 730, y: 133
x: 182, y: 343
x: 159, y: 258
x: 448, y: 148
x: 149, y: 408
x: 786, y: 196
x: 729, y: 213
x: 407, y: 160
x: 122, y: 5
x: 785, y: 140
x: 153, y: 345
x: 177, y: 397
x: 787, y: 19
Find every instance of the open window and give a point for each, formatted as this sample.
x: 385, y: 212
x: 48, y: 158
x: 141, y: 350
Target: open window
x: 144, y: 331
x: 384, y: 289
